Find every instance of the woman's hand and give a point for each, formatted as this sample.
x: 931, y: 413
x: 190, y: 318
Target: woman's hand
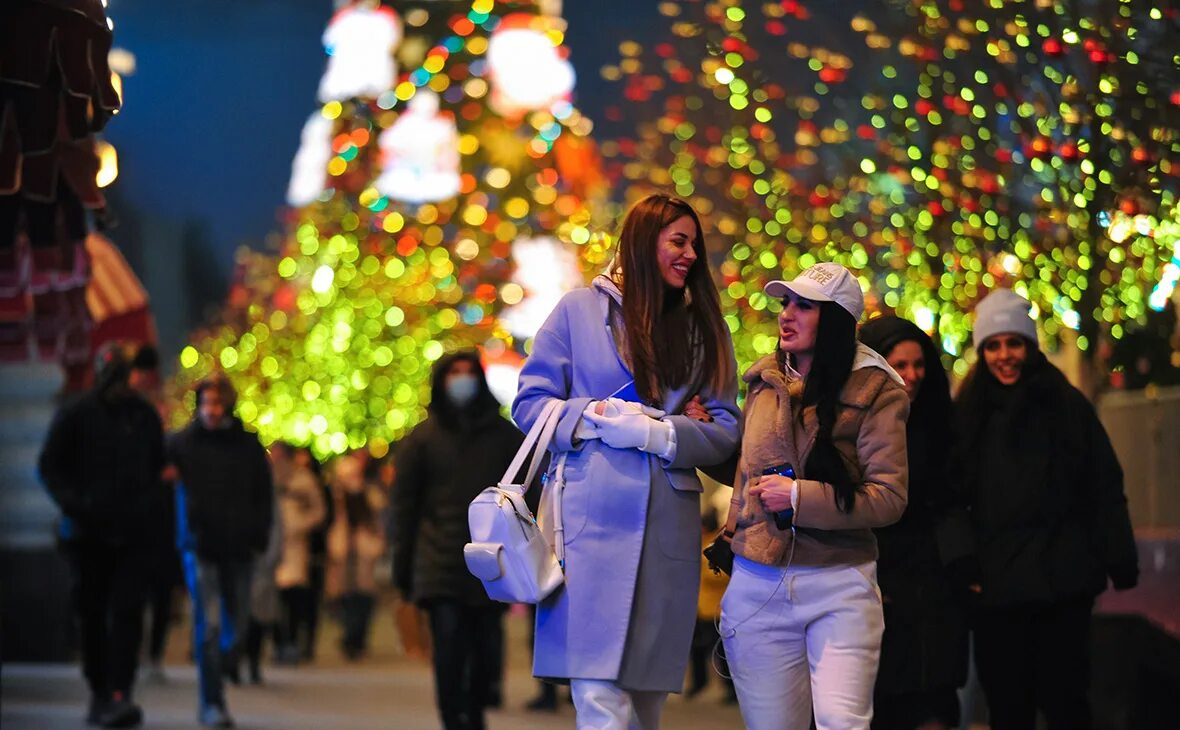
x: 695, y: 410
x: 774, y: 491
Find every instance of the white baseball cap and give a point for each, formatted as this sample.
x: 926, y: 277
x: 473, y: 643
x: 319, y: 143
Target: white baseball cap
x: 823, y: 283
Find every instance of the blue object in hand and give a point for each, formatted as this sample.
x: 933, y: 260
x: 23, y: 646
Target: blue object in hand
x: 628, y: 393
x: 783, y: 519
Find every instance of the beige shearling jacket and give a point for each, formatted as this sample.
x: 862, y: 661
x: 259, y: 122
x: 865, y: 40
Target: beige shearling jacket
x: 870, y: 433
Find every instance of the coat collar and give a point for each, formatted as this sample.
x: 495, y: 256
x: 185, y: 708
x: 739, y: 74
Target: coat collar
x: 788, y: 385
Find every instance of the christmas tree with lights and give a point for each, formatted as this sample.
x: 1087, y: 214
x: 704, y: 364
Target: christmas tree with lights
x: 445, y: 164
x: 939, y: 148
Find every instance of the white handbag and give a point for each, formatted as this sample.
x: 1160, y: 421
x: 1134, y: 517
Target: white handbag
x: 509, y: 552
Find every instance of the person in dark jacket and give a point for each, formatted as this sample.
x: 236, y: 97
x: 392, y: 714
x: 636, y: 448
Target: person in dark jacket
x: 102, y: 462
x: 924, y: 648
x: 229, y: 502
x: 462, y: 447
x: 1043, y: 523
x: 165, y: 573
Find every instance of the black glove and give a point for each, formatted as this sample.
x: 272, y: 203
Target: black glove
x: 1124, y: 576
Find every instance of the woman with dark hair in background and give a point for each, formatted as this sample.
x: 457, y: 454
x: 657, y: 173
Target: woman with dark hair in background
x: 1043, y: 522
x: 301, y: 509
x: 924, y: 649
x: 308, y: 629
x: 463, y: 446
x: 356, y: 541
x: 623, y: 358
x: 823, y: 462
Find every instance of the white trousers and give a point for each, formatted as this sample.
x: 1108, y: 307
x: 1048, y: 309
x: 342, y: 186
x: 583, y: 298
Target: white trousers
x: 603, y: 705
x: 800, y: 638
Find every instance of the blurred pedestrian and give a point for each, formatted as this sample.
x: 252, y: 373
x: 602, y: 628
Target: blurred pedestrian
x: 462, y: 447
x: 165, y: 574
x: 102, y: 463
x: 924, y: 648
x: 1043, y: 522
x: 265, y: 604
x: 228, y: 505
x: 301, y: 509
x: 622, y: 358
x: 307, y: 630
x: 356, y: 541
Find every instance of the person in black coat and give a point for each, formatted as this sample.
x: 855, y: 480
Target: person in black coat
x: 102, y: 463
x: 1042, y: 525
x: 229, y: 503
x: 924, y: 649
x: 462, y: 447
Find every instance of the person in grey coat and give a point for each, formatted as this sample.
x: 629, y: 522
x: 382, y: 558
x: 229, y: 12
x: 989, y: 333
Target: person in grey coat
x: 625, y: 356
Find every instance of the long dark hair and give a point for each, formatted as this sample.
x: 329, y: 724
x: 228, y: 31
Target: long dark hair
x: 669, y: 332
x: 930, y: 428
x: 930, y: 410
x: 835, y: 350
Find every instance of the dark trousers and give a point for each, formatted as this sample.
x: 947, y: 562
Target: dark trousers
x: 313, y: 604
x: 161, y: 582
x: 463, y: 668
x: 1035, y: 658
x: 356, y: 611
x: 295, y: 628
x: 256, y: 632
x: 108, y: 597
x: 221, y: 611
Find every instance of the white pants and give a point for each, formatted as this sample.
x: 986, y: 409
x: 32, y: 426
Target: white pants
x: 603, y: 705
x: 802, y: 635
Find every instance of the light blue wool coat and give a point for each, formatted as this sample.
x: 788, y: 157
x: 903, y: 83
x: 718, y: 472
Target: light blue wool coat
x: 632, y: 521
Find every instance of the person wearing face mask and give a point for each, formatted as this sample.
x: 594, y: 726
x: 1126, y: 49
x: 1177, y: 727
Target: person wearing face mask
x: 924, y: 649
x: 823, y: 463
x: 463, y: 446
x: 1042, y: 522
x: 228, y: 504
x: 623, y: 358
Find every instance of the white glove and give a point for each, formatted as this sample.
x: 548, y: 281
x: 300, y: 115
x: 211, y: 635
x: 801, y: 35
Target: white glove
x: 631, y: 430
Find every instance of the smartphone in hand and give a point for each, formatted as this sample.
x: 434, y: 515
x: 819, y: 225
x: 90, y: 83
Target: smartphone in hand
x: 784, y: 518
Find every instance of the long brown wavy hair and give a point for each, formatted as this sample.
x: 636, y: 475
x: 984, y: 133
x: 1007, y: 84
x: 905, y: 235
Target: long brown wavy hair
x: 669, y: 332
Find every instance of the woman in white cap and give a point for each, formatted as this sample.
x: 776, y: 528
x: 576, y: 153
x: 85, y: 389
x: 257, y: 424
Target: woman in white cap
x: 823, y: 461
x: 1043, y: 522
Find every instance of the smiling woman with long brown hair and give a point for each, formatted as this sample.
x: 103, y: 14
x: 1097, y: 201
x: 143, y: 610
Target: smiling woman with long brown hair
x: 624, y: 357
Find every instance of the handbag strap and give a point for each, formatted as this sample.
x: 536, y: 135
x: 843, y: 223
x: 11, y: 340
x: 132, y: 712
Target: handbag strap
x: 535, y: 444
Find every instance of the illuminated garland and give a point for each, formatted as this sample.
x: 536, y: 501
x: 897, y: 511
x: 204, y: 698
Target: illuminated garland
x: 948, y: 148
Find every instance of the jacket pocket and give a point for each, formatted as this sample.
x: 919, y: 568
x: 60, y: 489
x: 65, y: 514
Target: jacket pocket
x: 678, y: 526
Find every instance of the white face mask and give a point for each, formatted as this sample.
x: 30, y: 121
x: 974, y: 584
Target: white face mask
x: 462, y: 389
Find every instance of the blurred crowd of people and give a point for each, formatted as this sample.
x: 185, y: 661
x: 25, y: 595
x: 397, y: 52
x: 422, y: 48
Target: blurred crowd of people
x: 262, y: 538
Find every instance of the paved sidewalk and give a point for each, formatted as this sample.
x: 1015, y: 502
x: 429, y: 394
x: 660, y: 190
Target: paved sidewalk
x: 387, y: 691
x: 49, y: 697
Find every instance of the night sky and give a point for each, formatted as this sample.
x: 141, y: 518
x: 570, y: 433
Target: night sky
x: 212, y: 117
